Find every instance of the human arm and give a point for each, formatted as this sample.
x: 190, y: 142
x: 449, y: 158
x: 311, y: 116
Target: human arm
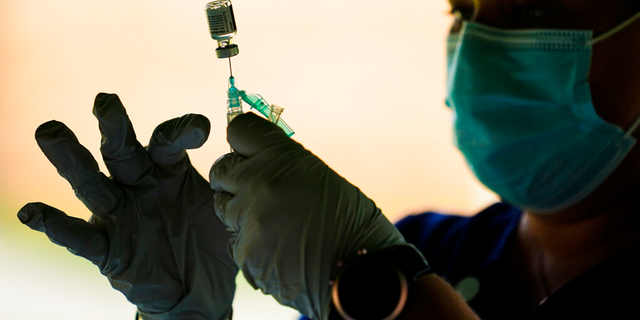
x: 433, y: 296
x: 153, y: 232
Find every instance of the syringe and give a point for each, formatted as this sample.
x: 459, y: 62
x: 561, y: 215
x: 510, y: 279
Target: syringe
x: 257, y: 102
x: 234, y: 104
x: 222, y: 26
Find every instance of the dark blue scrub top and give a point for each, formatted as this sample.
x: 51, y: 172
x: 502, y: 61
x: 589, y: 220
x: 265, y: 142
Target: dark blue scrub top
x: 468, y: 253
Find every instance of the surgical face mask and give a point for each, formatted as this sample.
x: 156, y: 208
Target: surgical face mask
x: 523, y: 114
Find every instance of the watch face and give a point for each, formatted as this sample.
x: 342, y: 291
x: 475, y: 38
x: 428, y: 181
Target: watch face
x: 370, y: 289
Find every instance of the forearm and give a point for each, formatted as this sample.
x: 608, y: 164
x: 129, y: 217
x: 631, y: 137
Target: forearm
x: 433, y: 298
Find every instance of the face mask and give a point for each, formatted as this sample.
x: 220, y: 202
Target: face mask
x: 524, y: 118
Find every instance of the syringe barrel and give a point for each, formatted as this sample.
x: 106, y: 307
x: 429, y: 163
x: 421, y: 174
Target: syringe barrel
x: 232, y: 113
x: 234, y: 104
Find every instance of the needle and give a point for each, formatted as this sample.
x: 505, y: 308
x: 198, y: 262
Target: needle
x: 230, y: 70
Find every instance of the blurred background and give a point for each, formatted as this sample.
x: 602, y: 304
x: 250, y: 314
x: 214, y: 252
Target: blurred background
x: 362, y: 83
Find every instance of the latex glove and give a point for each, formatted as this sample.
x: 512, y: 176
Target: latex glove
x: 153, y: 232
x: 294, y: 218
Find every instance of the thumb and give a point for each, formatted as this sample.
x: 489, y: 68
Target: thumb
x: 172, y: 138
x: 77, y: 235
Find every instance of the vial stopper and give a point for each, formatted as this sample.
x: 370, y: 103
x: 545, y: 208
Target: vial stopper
x: 227, y: 51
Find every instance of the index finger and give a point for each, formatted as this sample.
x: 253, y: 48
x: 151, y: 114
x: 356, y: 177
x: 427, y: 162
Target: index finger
x: 172, y: 138
x: 249, y: 134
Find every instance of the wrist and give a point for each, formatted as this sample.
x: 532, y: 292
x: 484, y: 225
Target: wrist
x: 198, y: 305
x: 227, y: 314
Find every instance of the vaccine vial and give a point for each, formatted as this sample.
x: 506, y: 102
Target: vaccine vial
x: 222, y: 25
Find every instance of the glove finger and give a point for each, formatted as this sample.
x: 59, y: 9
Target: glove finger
x: 76, y: 164
x: 226, y: 174
x: 222, y: 203
x: 172, y: 138
x: 249, y: 134
x: 78, y: 236
x: 125, y: 158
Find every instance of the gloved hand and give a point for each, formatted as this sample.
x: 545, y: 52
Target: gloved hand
x: 153, y: 232
x: 293, y: 217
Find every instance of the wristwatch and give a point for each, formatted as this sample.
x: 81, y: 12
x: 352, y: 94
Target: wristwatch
x: 375, y: 286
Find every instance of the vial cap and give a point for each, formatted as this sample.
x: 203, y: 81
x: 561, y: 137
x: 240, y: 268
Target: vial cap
x: 228, y: 51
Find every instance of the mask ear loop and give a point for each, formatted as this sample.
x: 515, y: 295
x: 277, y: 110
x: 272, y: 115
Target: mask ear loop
x: 608, y: 34
x: 615, y: 29
x: 632, y: 128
